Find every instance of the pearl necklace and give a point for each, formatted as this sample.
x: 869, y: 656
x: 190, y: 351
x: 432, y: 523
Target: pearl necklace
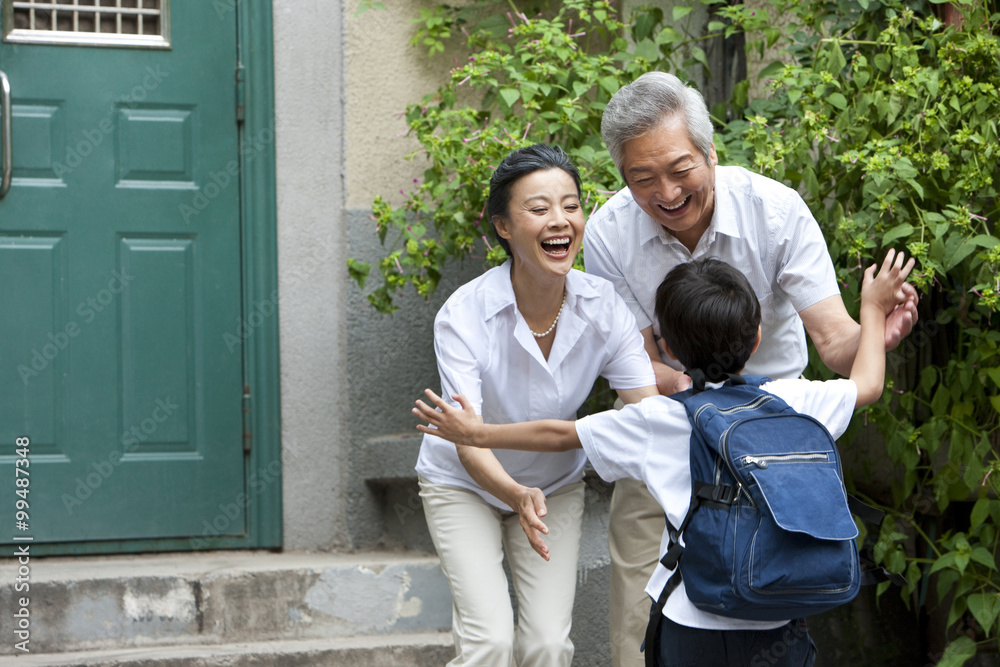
x: 549, y: 330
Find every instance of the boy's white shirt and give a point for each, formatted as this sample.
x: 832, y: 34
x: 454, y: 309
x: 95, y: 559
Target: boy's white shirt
x: 650, y: 441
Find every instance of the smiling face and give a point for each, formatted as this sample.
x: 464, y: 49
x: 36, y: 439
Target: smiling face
x: 544, y: 223
x: 671, y: 180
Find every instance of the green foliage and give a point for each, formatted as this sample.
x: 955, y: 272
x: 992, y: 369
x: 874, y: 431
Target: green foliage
x: 886, y: 120
x: 537, y: 74
x: 881, y: 115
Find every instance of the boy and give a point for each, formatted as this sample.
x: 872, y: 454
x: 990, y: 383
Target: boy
x: 710, y: 320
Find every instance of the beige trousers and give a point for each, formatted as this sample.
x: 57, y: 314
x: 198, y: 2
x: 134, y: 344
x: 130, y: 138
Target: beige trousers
x: 635, y: 526
x: 471, y: 537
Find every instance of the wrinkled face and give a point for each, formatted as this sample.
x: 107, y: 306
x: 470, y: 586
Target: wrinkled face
x: 544, y: 225
x: 671, y: 180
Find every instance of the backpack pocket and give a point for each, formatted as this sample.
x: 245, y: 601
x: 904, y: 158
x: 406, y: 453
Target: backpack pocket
x: 803, y: 492
x: 804, y: 512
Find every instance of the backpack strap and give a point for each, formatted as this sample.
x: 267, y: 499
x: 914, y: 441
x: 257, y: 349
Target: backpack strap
x: 699, y: 378
x: 651, y: 645
x: 710, y: 495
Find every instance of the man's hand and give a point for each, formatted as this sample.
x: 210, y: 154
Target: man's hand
x: 448, y: 422
x: 900, y: 320
x: 669, y: 381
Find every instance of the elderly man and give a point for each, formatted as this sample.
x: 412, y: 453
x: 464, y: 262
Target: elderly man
x: 678, y: 206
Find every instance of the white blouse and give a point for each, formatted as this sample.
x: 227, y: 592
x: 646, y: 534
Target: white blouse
x: 486, y: 352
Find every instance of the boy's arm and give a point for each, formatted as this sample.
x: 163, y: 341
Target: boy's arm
x: 879, y: 296
x: 464, y: 426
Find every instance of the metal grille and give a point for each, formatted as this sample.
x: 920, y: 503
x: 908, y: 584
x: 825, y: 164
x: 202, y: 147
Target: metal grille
x: 142, y: 23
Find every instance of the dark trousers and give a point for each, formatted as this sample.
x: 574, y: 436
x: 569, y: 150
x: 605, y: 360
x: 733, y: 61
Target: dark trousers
x: 787, y: 646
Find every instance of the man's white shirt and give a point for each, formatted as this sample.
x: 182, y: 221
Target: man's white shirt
x: 760, y: 226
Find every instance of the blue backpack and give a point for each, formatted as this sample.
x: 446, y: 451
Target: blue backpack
x: 769, y: 535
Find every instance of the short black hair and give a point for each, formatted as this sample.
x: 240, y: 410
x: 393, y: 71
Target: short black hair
x: 520, y: 163
x: 709, y: 316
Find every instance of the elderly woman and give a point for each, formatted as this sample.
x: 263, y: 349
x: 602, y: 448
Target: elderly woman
x: 526, y: 340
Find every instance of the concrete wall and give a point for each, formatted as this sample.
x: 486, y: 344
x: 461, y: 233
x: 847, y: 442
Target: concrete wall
x: 309, y: 80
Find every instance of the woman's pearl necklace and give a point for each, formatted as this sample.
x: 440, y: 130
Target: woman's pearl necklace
x: 549, y: 330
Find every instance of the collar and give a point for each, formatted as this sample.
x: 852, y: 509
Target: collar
x: 498, y: 291
x: 723, y: 219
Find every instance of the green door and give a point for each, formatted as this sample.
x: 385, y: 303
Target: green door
x: 120, y: 276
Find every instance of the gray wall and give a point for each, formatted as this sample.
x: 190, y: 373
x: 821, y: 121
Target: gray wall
x: 309, y: 80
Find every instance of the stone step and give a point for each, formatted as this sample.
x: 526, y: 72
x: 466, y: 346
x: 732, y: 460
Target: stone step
x: 399, y: 650
x: 222, y: 597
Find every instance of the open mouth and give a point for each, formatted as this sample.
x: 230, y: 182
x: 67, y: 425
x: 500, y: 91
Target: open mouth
x: 556, y: 247
x: 676, y: 209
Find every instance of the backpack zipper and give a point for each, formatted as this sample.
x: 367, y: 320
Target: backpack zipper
x: 752, y: 405
x: 764, y: 461
x: 724, y: 438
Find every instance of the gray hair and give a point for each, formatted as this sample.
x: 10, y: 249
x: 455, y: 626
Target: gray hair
x: 643, y: 104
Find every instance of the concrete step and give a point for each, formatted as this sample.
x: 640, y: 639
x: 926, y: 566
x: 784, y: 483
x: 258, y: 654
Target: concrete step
x: 404, y: 650
x: 223, y: 597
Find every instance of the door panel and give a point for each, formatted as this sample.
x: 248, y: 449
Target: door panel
x: 120, y: 266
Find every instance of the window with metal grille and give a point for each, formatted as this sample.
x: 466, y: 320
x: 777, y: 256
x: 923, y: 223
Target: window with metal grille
x: 136, y: 23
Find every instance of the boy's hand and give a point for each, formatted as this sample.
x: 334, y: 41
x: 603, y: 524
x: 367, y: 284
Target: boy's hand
x: 885, y: 290
x: 448, y: 422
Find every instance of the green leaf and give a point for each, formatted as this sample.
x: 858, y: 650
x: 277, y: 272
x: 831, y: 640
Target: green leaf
x: 882, y: 61
x: 995, y: 402
x: 699, y: 54
x: 982, y: 556
x: 985, y: 241
x: 980, y: 511
x: 510, y: 96
x: 985, y: 607
x: 771, y: 70
x: 863, y: 4
x: 958, y: 608
x: 960, y: 253
x: 944, y: 561
x: 609, y: 84
x: 680, y: 12
x: 904, y: 168
x: 837, y: 100
x: 358, y: 271
x: 835, y: 59
x: 897, y: 232
x: 669, y: 35
x: 648, y: 50
x: 958, y: 652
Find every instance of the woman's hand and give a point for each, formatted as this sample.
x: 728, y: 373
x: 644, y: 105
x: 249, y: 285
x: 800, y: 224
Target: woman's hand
x: 448, y: 422
x: 529, y: 503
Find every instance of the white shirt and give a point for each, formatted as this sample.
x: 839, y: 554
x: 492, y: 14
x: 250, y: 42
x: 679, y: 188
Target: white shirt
x: 650, y: 441
x: 759, y: 226
x: 486, y: 352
